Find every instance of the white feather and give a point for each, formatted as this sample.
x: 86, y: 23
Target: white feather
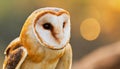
x: 63, y: 34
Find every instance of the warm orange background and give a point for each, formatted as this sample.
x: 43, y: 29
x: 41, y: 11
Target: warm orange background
x: 13, y: 13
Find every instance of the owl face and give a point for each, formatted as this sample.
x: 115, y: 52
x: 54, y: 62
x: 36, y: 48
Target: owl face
x: 52, y: 27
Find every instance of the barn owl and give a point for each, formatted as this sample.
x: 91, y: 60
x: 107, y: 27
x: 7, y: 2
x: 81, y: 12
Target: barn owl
x: 43, y: 42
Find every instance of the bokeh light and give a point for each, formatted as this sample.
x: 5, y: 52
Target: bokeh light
x: 94, y: 23
x: 90, y: 29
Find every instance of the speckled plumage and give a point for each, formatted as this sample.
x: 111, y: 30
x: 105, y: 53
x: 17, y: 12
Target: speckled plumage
x: 43, y: 42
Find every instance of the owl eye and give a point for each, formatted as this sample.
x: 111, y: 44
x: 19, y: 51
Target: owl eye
x: 64, y: 24
x: 47, y: 26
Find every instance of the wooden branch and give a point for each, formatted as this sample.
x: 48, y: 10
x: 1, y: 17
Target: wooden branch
x: 106, y: 57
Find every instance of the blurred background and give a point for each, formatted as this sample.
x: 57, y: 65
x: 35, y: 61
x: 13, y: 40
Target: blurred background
x: 103, y: 15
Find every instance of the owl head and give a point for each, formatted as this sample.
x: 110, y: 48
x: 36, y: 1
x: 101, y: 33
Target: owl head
x: 48, y: 26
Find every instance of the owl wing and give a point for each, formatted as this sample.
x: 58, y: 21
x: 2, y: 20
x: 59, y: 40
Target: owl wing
x: 65, y: 61
x: 15, y: 55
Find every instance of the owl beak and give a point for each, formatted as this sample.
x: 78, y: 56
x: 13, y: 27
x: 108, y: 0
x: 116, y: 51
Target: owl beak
x: 58, y: 34
x: 59, y: 37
